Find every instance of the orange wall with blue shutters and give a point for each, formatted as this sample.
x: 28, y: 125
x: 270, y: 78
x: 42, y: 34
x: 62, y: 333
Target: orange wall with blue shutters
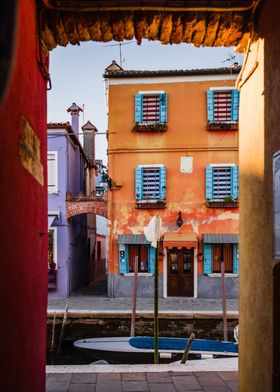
x: 186, y: 135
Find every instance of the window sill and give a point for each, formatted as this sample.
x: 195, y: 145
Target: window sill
x: 139, y: 274
x: 227, y: 275
x: 222, y: 126
x: 150, y: 204
x: 222, y: 204
x: 156, y: 127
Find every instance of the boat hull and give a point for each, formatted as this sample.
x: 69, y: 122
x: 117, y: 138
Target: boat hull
x: 120, y: 350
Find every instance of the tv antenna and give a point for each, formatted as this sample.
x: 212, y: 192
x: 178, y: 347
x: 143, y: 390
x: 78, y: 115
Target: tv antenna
x: 230, y: 58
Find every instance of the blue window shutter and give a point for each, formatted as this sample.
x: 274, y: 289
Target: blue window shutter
x: 123, y: 262
x: 234, y: 182
x: 234, y: 105
x: 207, y: 258
x: 162, y: 191
x: 138, y: 107
x: 209, y: 183
x: 235, y: 259
x: 163, y: 108
x: 152, y: 255
x: 210, y: 105
x: 139, y: 183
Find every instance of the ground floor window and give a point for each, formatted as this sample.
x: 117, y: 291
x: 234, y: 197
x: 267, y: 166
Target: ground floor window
x: 225, y: 252
x: 142, y: 251
x: 52, y: 265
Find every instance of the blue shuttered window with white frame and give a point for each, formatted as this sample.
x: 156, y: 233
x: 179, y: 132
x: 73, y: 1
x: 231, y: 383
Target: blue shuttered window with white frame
x: 208, y: 259
x: 222, y: 105
x: 222, y: 182
x: 150, y: 183
x: 150, y: 108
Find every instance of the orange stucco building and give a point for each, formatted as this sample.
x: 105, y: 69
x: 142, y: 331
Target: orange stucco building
x: 173, y: 151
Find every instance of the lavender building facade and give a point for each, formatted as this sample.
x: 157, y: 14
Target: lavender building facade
x: 69, y: 242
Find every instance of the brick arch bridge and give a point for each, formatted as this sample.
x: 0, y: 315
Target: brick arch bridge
x: 86, y: 205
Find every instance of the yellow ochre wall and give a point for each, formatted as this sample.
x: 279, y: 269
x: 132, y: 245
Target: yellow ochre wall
x: 186, y: 136
x: 259, y: 140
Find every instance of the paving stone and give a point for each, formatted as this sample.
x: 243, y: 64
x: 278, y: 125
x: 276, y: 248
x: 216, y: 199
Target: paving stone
x: 81, y: 388
x: 158, y: 377
x: 57, y: 386
x: 133, y: 376
x: 161, y: 387
x: 233, y: 385
x: 183, y: 383
x: 135, y: 386
x: 108, y: 386
x: 228, y: 376
x: 210, y: 380
x: 109, y: 376
x: 84, y: 378
x: 217, y: 388
x: 60, y: 377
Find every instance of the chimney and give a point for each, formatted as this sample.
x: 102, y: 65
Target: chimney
x: 89, y: 131
x: 75, y: 112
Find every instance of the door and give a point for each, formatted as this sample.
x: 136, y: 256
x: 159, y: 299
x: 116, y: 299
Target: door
x: 180, y: 272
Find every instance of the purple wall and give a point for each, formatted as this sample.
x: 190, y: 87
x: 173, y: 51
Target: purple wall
x: 72, y: 257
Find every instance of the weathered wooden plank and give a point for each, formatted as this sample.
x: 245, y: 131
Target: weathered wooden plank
x: 58, y: 30
x: 118, y: 26
x: 82, y: 28
x: 211, y: 29
x: 69, y: 20
x: 154, y: 23
x: 128, y: 26
x: 199, y: 30
x: 47, y: 34
x: 105, y: 26
x: 236, y: 30
x: 177, y: 29
x: 190, y: 22
x: 166, y: 29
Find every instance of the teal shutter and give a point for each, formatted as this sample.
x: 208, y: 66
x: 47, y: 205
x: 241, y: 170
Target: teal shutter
x: 210, y: 105
x: 234, y: 105
x: 163, y: 108
x: 234, y: 172
x: 209, y: 189
x: 207, y: 258
x: 123, y: 262
x: 152, y: 255
x: 162, y: 191
x: 235, y: 259
x: 138, y: 107
x: 139, y: 183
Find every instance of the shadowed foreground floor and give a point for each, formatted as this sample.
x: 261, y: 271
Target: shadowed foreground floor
x: 169, y: 381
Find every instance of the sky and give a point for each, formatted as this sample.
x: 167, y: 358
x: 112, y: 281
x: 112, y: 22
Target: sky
x: 77, y: 74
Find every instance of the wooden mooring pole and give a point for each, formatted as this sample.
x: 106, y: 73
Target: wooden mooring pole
x: 63, y: 326
x: 134, y: 297
x: 224, y: 297
x: 187, y: 349
x: 53, y: 332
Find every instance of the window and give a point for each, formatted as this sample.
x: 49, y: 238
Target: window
x: 52, y: 172
x: 98, y: 250
x: 142, y: 251
x: 222, y: 182
x: 146, y: 258
x: 212, y: 256
x: 222, y: 108
x: 150, y: 111
x: 150, y: 183
x: 52, y: 262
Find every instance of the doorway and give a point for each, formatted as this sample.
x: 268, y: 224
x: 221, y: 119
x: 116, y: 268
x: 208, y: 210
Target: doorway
x: 180, y: 272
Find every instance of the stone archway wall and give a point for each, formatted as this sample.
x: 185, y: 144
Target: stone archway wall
x: 202, y: 23
x: 86, y: 205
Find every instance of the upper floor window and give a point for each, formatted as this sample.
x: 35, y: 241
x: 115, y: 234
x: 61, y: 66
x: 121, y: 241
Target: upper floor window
x: 52, y: 172
x: 150, y: 111
x: 150, y: 185
x: 222, y: 183
x: 222, y: 108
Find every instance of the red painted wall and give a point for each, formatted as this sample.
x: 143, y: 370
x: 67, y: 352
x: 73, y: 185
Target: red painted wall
x: 23, y: 203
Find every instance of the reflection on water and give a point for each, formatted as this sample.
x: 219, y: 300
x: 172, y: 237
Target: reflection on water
x: 69, y: 356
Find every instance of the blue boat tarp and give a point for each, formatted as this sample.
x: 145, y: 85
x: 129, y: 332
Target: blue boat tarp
x: 179, y: 344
